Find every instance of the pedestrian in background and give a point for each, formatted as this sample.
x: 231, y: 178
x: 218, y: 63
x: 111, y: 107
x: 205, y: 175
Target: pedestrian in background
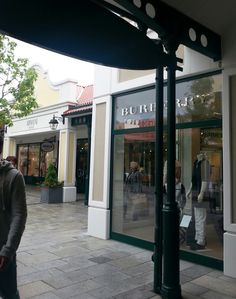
x: 13, y: 160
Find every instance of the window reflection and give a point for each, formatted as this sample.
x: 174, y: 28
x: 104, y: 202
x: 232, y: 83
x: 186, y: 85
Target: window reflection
x: 134, y: 186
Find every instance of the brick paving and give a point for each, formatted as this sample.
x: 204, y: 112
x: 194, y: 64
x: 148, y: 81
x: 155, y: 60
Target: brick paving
x: 57, y: 259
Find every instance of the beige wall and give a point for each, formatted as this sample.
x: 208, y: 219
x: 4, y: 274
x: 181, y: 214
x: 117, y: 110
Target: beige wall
x: 62, y: 153
x: 45, y: 93
x: 70, y: 158
x: 125, y: 75
x: 99, y: 149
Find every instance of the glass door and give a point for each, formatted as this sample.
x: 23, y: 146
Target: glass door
x: 81, y: 165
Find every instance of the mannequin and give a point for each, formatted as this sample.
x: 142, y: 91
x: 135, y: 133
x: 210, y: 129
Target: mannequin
x: 133, y: 188
x: 197, y: 192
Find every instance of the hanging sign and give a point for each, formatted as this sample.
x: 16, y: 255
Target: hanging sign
x: 47, y: 146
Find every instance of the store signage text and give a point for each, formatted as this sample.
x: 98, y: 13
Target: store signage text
x: 31, y: 123
x: 184, y: 102
x: 138, y: 109
x: 47, y: 146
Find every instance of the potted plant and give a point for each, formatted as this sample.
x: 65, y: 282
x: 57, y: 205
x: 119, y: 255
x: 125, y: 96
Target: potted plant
x: 51, y: 189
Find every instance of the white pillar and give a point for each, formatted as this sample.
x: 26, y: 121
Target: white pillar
x: 98, y: 211
x: 66, y: 163
x: 9, y: 147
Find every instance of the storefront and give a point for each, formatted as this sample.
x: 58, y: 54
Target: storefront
x: 34, y: 158
x: 198, y: 134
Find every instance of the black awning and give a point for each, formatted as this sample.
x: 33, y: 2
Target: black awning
x: 83, y: 30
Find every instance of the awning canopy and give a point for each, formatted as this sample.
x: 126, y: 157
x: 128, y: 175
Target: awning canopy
x: 81, y: 29
x: 95, y: 31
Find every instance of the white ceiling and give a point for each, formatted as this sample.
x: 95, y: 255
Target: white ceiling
x: 217, y: 15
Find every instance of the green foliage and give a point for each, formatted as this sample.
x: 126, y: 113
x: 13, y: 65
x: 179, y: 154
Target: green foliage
x: 16, y: 84
x: 51, y: 179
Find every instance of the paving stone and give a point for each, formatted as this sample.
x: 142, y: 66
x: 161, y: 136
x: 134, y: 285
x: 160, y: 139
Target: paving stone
x: 102, y: 252
x: 141, y: 279
x: 185, y: 265
x: 33, y: 289
x: 78, y: 276
x: 48, y: 295
x: 39, y: 275
x: 99, y: 259
x: 139, y: 269
x: 214, y: 295
x: 186, y: 295
x: 103, y: 293
x: 83, y: 296
x: 196, y: 271
x: 215, y: 273
x: 143, y: 292
x: 50, y: 264
x: 58, y: 282
x: 194, y: 289
x: 217, y: 285
x: 113, y: 255
x: 69, y: 251
x: 111, y: 278
x: 77, y: 289
x: 184, y: 278
x: 32, y: 260
x: 101, y: 269
x: 57, y: 259
x: 126, y: 262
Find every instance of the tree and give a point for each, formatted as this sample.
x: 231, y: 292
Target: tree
x: 16, y: 84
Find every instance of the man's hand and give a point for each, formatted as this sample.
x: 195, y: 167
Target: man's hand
x: 3, y: 262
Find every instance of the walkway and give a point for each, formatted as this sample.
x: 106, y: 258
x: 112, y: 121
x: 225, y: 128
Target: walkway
x: 57, y: 259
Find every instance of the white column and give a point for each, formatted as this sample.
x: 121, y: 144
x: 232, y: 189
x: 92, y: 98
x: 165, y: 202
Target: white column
x: 98, y: 211
x: 229, y: 170
x: 66, y: 163
x: 9, y: 147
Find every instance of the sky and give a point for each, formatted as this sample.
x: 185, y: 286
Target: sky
x: 58, y: 67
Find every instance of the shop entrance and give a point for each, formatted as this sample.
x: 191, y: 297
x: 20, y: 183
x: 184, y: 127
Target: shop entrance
x: 34, y: 158
x: 82, y: 165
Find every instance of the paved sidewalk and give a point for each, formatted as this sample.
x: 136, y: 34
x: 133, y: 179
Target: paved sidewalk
x: 57, y: 259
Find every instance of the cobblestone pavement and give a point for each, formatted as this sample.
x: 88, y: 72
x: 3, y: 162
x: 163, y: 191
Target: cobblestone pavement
x: 57, y: 259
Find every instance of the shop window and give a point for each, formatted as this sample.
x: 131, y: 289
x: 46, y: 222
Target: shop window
x: 134, y: 186
x: 198, y: 135
x: 33, y: 160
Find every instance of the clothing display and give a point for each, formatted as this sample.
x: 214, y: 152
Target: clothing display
x: 199, y: 191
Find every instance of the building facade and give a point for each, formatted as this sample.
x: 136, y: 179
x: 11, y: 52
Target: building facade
x: 123, y: 132
x: 35, y: 144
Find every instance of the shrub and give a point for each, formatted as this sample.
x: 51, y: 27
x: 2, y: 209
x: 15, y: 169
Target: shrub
x: 51, y: 179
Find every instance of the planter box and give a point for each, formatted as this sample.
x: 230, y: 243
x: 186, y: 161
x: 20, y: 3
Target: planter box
x: 51, y: 195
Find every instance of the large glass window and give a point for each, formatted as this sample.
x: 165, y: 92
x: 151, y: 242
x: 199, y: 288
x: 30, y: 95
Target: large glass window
x: 133, y: 185
x: 199, y: 184
x: 33, y: 160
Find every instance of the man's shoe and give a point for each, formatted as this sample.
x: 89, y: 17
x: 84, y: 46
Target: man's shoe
x: 197, y: 246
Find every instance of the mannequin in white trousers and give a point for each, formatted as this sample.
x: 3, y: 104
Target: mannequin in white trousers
x: 197, y: 192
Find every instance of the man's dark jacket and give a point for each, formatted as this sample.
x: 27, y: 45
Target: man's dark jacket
x: 13, y: 210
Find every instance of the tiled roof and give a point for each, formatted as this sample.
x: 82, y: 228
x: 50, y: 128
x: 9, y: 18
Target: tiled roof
x: 85, y: 96
x: 84, y: 101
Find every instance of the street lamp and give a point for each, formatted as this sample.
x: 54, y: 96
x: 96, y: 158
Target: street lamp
x: 54, y: 122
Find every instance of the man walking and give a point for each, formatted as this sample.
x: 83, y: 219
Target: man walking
x: 13, y: 214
